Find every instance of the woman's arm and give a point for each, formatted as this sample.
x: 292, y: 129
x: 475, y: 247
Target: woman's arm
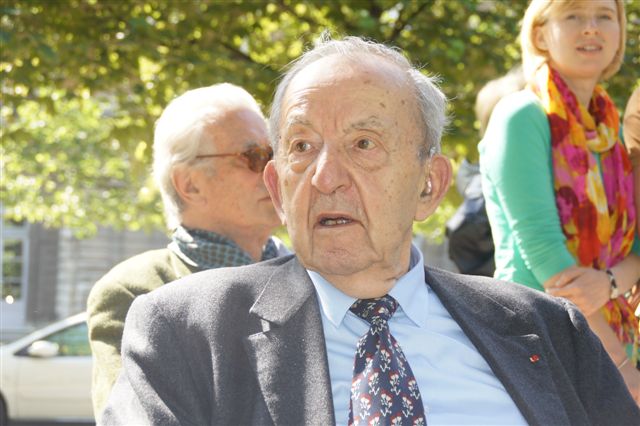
x: 515, y: 159
x: 590, y: 288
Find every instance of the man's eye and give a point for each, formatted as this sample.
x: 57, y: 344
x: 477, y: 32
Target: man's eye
x: 365, y: 143
x: 301, y: 146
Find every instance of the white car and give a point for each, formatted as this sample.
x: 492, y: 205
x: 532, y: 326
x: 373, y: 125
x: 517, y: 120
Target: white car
x: 47, y: 374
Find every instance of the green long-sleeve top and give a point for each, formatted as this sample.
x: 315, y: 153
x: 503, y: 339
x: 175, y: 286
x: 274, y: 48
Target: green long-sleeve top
x: 517, y: 182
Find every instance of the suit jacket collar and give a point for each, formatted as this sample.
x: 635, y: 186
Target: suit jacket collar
x: 290, y: 361
x: 511, y: 347
x: 289, y: 356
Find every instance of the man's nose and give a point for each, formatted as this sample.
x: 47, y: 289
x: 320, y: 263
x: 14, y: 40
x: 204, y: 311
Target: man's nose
x: 330, y: 173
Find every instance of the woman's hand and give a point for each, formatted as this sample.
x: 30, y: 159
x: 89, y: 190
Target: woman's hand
x: 588, y: 288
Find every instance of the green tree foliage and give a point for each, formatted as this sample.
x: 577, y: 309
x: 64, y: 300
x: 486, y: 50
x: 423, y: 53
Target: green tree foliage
x: 83, y: 81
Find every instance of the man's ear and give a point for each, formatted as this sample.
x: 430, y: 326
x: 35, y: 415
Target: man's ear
x: 271, y: 181
x: 435, y: 186
x: 187, y: 185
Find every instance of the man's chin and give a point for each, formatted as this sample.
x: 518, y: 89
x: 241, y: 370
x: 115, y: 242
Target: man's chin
x: 336, y: 262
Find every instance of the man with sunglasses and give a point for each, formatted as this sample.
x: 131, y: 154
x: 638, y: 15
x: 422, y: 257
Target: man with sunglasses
x: 210, y: 149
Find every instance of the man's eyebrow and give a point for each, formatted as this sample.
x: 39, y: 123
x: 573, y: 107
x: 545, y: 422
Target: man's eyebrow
x: 372, y: 122
x: 297, y: 120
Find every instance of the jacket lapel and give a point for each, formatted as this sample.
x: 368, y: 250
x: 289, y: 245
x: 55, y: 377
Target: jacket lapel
x: 514, y: 352
x: 179, y: 267
x: 289, y: 355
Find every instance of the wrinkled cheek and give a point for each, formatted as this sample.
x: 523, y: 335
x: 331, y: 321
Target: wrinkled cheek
x: 288, y: 199
x: 397, y: 222
x: 295, y: 204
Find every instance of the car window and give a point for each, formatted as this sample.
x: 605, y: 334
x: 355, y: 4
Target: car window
x: 72, y: 341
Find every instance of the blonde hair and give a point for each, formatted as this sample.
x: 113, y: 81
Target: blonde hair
x: 537, y: 15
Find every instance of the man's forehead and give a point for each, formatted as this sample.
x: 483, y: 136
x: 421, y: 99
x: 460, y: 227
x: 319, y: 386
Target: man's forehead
x: 244, y: 125
x: 221, y: 113
x: 351, y: 93
x: 334, y: 69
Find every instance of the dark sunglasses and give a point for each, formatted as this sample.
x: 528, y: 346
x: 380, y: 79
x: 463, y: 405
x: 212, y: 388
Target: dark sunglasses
x: 257, y: 157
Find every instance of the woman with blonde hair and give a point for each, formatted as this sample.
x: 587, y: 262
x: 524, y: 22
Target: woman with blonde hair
x: 557, y: 179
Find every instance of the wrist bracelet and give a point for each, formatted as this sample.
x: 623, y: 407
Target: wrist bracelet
x: 613, y: 291
x: 623, y: 363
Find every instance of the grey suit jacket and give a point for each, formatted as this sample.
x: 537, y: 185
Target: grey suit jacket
x: 245, y: 345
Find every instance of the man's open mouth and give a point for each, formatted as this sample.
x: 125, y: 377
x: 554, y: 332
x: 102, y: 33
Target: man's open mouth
x: 335, y: 221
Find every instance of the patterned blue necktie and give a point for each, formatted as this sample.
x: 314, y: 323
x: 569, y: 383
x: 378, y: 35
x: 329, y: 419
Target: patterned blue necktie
x: 383, y: 390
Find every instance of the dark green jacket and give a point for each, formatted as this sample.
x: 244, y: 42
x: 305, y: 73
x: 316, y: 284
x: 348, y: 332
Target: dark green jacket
x: 107, y: 307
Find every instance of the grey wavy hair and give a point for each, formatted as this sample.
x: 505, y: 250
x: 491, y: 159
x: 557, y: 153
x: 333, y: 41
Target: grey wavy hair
x: 180, y: 131
x: 431, y: 101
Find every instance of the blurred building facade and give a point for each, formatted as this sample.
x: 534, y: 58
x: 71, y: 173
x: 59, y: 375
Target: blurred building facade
x: 47, y: 273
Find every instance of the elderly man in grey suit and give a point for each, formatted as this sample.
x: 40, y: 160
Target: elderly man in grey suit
x: 354, y: 329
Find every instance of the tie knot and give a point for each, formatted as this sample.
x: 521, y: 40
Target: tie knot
x: 375, y: 310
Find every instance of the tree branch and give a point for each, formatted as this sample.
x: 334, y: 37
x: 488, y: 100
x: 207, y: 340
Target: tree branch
x: 375, y: 10
x: 241, y: 55
x: 402, y: 23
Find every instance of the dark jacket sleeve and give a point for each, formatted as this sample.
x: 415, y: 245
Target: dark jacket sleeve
x: 158, y: 384
x: 601, y: 388
x: 107, y: 306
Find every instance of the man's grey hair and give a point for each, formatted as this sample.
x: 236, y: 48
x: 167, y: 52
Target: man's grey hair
x: 430, y: 99
x: 181, y: 130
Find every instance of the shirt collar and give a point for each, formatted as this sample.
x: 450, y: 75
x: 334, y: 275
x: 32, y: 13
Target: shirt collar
x: 410, y: 291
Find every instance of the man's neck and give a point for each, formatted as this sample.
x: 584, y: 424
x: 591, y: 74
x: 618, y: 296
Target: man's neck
x: 251, y: 241
x: 365, y: 287
x: 251, y: 244
x: 374, y: 281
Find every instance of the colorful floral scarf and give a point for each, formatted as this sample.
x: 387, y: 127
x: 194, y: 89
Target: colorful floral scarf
x: 594, y: 200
